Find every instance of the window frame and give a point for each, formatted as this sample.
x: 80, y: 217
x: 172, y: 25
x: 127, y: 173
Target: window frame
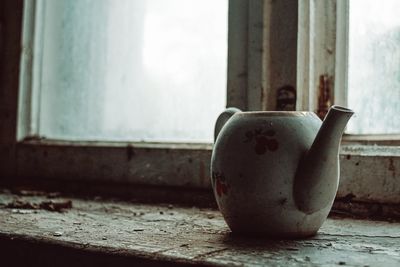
x: 368, y: 162
x: 328, y: 55
x: 257, y: 66
x: 178, y: 164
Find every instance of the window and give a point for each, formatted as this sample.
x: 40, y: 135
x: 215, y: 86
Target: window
x: 345, y: 42
x: 271, y: 44
x: 128, y: 70
x: 134, y: 84
x: 374, y: 66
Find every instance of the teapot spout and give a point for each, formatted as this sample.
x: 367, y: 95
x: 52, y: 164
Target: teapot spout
x: 317, y: 176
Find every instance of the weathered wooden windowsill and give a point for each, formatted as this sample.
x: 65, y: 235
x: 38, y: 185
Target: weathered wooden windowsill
x: 110, y: 233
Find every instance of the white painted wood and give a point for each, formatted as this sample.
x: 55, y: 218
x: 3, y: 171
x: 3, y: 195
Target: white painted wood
x: 281, y: 27
x: 30, y: 76
x: 374, y: 140
x: 135, y: 163
x: 304, y: 69
x: 256, y: 84
x: 25, y: 76
x: 247, y: 55
x: 237, y: 54
x: 316, y: 49
x: 368, y: 172
x: 342, y: 45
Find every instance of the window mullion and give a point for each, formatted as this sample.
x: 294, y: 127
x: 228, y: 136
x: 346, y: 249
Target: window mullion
x: 258, y: 63
x: 237, y: 54
x: 316, y: 51
x: 342, y: 52
x: 262, y: 55
x: 30, y: 76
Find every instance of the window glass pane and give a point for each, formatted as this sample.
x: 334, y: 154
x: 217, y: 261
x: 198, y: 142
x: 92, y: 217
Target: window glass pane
x: 138, y: 70
x: 374, y: 66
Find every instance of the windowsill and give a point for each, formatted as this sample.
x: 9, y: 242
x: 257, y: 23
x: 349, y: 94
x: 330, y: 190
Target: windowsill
x: 368, y: 173
x: 121, y: 233
x: 368, y: 150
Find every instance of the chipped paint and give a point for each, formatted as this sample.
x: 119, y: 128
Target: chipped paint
x: 130, y: 152
x: 369, y: 176
x: 151, y: 164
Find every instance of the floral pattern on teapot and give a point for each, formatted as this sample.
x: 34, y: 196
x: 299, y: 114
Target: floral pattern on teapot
x: 220, y: 183
x: 264, y: 140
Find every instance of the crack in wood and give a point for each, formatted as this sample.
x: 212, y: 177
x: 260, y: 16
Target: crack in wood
x: 208, y: 254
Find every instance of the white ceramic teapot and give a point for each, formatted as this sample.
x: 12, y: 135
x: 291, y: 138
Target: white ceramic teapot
x: 277, y: 173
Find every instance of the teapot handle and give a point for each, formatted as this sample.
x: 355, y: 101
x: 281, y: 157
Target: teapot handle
x: 222, y: 119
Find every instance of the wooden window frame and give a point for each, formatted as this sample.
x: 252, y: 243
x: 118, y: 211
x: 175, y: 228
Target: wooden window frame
x: 271, y: 44
x: 368, y: 162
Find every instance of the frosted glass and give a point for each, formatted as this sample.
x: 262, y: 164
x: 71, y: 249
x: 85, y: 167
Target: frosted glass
x: 374, y: 66
x: 150, y: 70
